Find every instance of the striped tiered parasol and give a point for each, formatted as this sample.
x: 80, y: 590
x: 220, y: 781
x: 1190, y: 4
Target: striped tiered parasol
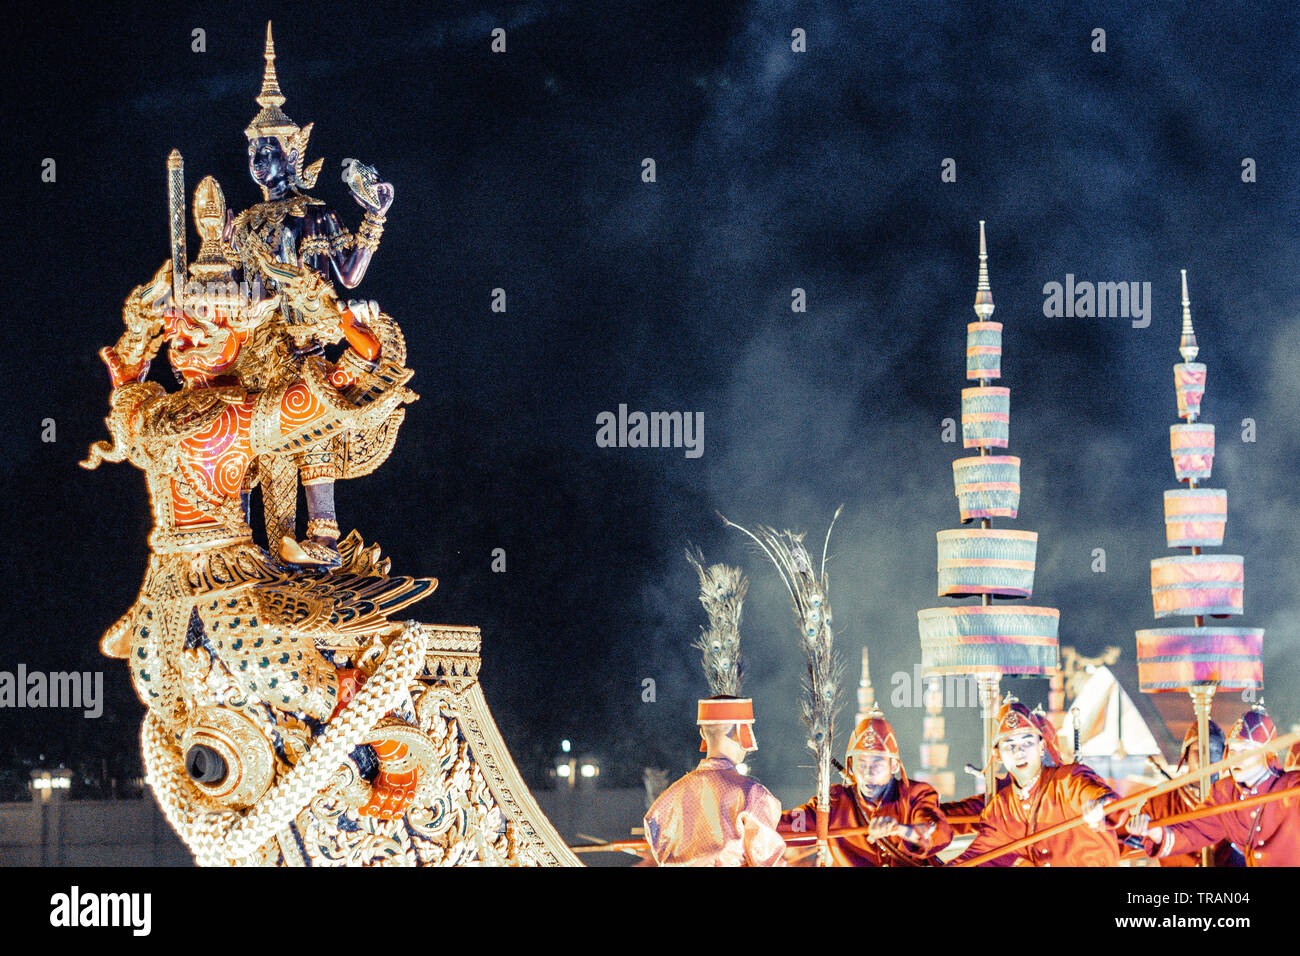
x: 1197, y: 659
x: 986, y: 640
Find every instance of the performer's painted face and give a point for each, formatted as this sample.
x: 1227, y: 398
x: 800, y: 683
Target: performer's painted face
x: 267, y: 163
x: 1022, y: 755
x: 1247, y: 761
x: 872, y: 771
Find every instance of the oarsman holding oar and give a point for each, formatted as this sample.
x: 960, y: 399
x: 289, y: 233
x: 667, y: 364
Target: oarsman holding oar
x: 959, y: 812
x: 1269, y: 833
x: 1040, y: 796
x: 1186, y: 798
x: 906, y: 826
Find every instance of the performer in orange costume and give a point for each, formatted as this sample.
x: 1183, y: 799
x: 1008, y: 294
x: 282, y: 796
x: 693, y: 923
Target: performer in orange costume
x: 715, y: 815
x: 1268, y: 835
x: 973, y: 805
x: 907, y: 827
x: 1186, y: 798
x: 1041, y: 796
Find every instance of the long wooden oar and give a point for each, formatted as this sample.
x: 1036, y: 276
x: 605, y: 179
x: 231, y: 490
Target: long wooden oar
x: 1133, y: 800
x: 624, y: 846
x: 860, y: 831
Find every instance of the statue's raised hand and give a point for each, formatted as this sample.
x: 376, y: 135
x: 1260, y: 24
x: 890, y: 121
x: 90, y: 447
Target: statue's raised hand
x: 148, y: 301
x: 373, y: 195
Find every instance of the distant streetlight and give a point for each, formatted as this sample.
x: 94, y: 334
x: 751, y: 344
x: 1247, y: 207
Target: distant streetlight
x: 572, y: 771
x: 48, y: 783
x: 589, y: 770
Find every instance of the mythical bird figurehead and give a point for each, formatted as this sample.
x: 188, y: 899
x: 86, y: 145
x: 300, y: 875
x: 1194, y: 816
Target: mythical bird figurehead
x: 276, y: 144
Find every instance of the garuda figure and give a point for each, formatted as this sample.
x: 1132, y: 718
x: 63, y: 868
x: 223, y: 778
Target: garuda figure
x: 290, y: 718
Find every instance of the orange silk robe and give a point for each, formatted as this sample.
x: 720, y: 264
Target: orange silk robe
x: 912, y: 804
x: 1269, y: 835
x: 715, y: 816
x: 1060, y: 793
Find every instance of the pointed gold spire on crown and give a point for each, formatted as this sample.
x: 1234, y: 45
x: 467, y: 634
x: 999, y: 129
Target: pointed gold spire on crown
x: 1187, y: 344
x: 270, y: 95
x: 983, y: 295
x: 271, y: 121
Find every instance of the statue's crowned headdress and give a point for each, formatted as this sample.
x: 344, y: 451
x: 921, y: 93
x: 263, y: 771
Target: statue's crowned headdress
x: 272, y: 123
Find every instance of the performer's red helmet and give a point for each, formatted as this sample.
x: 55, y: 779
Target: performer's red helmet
x: 1047, y: 730
x: 729, y: 710
x: 873, y: 736
x: 1014, y: 718
x: 1254, y: 728
x: 1190, y: 740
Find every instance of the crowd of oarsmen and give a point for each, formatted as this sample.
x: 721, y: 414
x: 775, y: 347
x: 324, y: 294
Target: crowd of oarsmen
x: 718, y: 816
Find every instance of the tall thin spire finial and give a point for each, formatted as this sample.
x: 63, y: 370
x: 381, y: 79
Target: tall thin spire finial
x: 983, y: 295
x: 270, y: 95
x: 1187, y: 344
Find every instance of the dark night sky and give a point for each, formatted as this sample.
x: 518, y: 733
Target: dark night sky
x: 775, y: 170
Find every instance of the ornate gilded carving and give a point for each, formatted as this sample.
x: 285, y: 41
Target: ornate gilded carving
x: 292, y: 719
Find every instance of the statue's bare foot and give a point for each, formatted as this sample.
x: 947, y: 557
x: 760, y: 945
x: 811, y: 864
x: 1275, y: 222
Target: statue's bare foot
x: 309, y: 553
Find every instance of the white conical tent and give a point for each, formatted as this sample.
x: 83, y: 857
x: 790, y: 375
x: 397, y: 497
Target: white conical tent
x: 1110, y: 724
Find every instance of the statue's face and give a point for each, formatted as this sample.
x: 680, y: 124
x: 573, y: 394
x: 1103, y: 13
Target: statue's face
x: 268, y: 164
x: 1022, y: 755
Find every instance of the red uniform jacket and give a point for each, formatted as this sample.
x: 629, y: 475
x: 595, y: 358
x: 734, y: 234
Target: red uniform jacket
x: 911, y: 804
x: 1177, y: 801
x: 1060, y: 793
x: 1269, y: 835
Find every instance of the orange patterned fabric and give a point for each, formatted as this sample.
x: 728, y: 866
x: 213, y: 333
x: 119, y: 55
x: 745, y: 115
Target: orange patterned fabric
x: 212, y: 463
x: 715, y: 816
x: 298, y: 407
x: 214, y: 459
x: 341, y: 378
x: 911, y: 803
x: 1059, y: 794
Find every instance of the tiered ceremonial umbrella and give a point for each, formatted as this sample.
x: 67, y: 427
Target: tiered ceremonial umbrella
x: 986, y: 640
x: 1196, y: 659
